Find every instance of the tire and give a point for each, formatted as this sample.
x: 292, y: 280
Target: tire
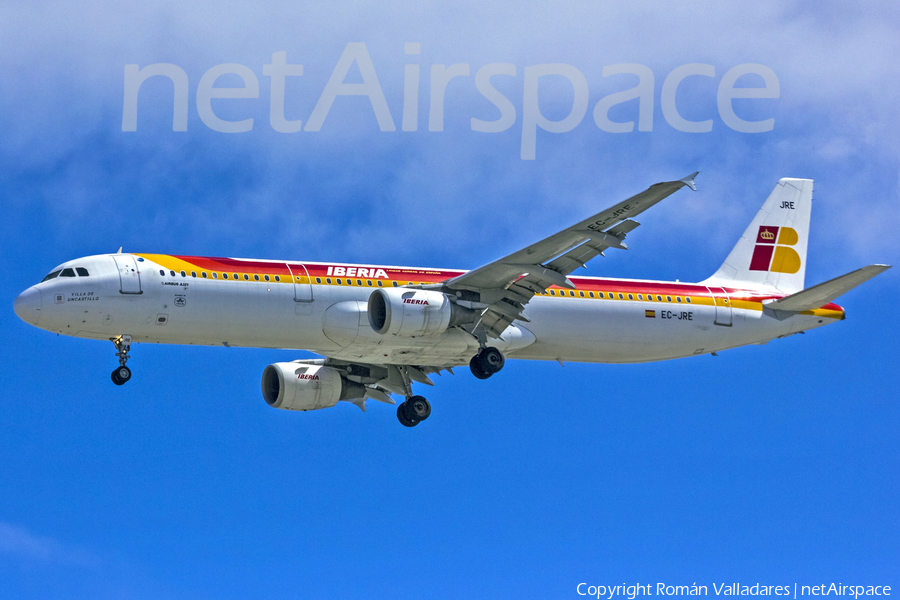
x: 492, y: 360
x: 477, y: 369
x: 124, y: 373
x: 403, y: 418
x: 418, y: 408
x: 120, y: 375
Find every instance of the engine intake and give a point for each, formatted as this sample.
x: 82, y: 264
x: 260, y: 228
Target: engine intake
x: 409, y: 313
x: 299, y: 386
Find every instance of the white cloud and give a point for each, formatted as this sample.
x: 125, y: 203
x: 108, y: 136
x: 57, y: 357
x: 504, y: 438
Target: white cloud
x: 456, y: 193
x: 20, y: 543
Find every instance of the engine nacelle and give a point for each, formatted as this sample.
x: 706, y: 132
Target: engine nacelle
x: 302, y: 386
x: 406, y: 312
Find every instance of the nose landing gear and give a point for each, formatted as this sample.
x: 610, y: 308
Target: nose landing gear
x: 487, y: 362
x: 123, y: 346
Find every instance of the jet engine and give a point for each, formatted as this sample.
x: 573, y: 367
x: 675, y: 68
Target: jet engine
x: 299, y: 386
x: 408, y: 313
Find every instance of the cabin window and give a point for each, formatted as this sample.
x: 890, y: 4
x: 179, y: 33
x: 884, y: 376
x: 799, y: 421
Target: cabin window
x: 678, y: 298
x: 236, y: 277
x: 172, y: 273
x: 339, y: 281
x: 318, y: 280
x: 359, y: 282
x: 394, y: 283
x: 379, y: 283
x: 369, y: 282
x: 183, y: 274
x: 640, y: 296
x: 193, y: 273
x: 246, y: 277
x: 266, y: 277
x: 328, y: 280
x: 256, y: 277
x: 552, y: 293
x: 82, y: 271
x: 215, y: 275
x: 658, y: 298
x: 162, y: 273
x: 668, y: 298
x: 581, y: 294
x: 203, y: 273
x: 50, y: 276
x: 621, y: 297
x: 224, y: 275
x: 630, y: 297
x: 688, y: 299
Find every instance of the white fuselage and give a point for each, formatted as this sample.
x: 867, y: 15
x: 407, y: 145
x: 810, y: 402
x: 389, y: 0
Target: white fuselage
x: 155, y: 304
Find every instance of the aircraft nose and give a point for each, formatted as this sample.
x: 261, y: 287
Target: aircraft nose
x: 28, y: 306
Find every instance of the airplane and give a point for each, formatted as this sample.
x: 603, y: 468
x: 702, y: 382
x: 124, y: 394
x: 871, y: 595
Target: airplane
x: 379, y: 329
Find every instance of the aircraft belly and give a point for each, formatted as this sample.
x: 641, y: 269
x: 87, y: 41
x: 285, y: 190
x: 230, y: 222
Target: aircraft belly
x: 622, y: 331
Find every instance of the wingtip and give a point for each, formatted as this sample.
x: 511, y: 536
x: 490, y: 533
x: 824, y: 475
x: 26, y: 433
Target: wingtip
x: 689, y: 180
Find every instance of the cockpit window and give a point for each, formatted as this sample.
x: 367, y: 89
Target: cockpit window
x: 51, y: 276
x: 82, y: 272
x: 67, y: 273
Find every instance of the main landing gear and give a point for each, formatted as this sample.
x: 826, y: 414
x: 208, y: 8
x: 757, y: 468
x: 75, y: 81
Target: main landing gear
x: 414, y: 410
x: 487, y: 362
x: 122, y: 373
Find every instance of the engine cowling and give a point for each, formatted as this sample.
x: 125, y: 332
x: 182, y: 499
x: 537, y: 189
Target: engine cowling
x: 299, y: 386
x: 408, y: 313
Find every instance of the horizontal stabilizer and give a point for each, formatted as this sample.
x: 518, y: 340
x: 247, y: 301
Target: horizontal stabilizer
x: 819, y: 295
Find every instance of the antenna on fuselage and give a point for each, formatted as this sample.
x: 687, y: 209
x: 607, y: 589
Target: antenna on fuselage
x: 120, y: 250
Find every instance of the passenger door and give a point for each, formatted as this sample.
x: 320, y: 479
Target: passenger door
x: 129, y: 275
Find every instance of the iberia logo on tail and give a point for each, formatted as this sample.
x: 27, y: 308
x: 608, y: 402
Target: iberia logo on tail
x: 773, y: 250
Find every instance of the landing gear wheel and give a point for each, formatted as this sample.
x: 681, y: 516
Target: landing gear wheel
x: 476, y: 368
x: 492, y: 359
x: 486, y: 363
x: 404, y: 418
x: 417, y: 408
x: 121, y: 375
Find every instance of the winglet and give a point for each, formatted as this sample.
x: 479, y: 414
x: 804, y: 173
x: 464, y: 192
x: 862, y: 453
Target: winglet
x: 689, y: 180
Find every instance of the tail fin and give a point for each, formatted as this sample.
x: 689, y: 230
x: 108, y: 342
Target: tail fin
x: 772, y: 251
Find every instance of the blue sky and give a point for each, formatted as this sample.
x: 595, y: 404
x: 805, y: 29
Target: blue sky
x: 775, y: 464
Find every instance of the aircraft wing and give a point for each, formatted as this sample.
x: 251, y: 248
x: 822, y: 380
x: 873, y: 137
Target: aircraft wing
x: 504, y: 286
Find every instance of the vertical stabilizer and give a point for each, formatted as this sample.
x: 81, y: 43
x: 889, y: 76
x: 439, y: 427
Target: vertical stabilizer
x: 772, y: 251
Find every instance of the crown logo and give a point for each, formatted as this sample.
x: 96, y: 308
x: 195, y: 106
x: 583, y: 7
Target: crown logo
x: 767, y: 235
